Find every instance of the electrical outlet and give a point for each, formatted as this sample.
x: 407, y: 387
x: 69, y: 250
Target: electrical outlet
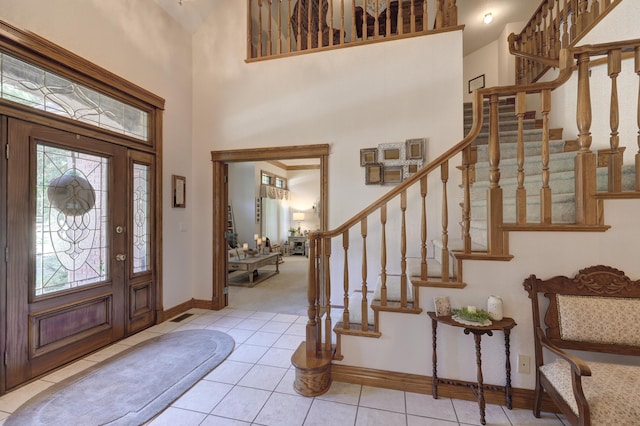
x: 524, y: 364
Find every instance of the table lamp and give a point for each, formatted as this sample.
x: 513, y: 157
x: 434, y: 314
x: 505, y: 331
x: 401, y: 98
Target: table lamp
x: 298, y: 217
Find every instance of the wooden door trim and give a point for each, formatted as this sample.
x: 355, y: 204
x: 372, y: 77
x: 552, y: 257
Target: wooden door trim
x: 220, y: 195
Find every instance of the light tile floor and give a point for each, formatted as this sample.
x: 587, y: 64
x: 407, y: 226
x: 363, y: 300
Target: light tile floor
x: 254, y: 386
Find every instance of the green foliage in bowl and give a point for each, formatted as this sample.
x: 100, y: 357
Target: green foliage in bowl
x: 479, y: 315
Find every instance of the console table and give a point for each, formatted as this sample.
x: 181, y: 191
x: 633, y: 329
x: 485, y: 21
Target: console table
x: 505, y: 325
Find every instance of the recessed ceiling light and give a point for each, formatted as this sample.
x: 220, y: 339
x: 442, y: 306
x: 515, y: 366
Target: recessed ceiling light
x: 488, y: 18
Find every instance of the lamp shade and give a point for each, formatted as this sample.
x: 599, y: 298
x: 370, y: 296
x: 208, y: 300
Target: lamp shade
x: 298, y: 216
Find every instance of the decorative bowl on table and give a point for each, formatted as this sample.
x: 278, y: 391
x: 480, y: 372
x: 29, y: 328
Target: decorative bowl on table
x: 251, y: 252
x: 476, y: 317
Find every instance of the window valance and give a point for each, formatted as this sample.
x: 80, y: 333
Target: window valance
x: 270, y: 191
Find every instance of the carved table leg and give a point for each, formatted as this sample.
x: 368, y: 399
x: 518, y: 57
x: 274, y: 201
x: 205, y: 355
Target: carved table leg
x: 434, y: 379
x: 507, y: 351
x: 481, y: 402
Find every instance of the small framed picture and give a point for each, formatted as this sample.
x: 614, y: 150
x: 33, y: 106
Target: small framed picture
x: 415, y: 149
x: 373, y: 174
x: 368, y: 156
x: 476, y: 83
x: 442, y: 306
x: 392, y: 174
x: 179, y: 191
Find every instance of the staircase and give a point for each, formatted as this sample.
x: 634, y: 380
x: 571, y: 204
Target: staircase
x: 517, y: 175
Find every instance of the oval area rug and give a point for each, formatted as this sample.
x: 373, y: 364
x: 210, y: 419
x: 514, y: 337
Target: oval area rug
x: 131, y: 387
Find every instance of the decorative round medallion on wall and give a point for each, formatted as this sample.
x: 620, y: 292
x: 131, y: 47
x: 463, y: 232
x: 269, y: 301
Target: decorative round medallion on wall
x: 71, y: 193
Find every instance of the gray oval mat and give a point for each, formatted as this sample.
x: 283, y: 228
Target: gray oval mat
x: 130, y: 387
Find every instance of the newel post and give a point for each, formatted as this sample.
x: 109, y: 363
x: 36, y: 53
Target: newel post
x: 495, y: 239
x: 585, y: 161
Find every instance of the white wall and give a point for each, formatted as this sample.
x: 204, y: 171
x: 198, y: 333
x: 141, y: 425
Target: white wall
x: 138, y: 41
x: 349, y: 98
x: 305, y: 192
x: 483, y: 61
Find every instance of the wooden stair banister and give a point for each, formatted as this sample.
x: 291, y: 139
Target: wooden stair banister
x: 554, y: 25
x: 588, y: 206
x: 281, y: 28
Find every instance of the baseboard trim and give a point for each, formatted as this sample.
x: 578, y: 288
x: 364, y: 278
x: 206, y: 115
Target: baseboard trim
x: 521, y: 398
x: 185, y: 306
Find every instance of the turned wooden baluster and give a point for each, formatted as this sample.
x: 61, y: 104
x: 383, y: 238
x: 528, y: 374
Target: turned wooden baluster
x: 521, y: 192
x: 595, y: 11
x: 299, y: 29
x: 585, y: 170
x: 249, y: 31
x: 269, y: 28
x: 354, y: 34
x: 439, y: 14
x: 400, y: 20
x: 341, y: 21
x: 309, y: 27
x: 555, y: 5
x: 365, y: 303
x: 376, y: 24
x: 259, y: 29
x: 312, y: 342
x: 320, y: 22
x: 288, y: 41
x: 403, y: 250
x: 444, y: 176
x: 574, y: 19
x: 583, y: 16
x: 326, y: 279
x: 544, y: 28
x: 451, y: 14
x: 383, y: 256
x: 345, y: 279
x: 467, y: 161
x: 412, y: 21
x: 494, y: 193
x: 331, y: 23
x: 614, y: 67
x: 637, y: 70
x: 423, y: 230
x: 388, y: 24
x: 545, y: 191
x: 565, y: 25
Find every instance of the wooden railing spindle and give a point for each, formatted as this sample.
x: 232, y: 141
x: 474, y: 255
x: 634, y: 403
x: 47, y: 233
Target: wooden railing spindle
x: 376, y: 24
x: 353, y: 21
x: 565, y: 26
x: 326, y: 303
x: 288, y: 41
x: 383, y: 256
x: 521, y: 192
x: 388, y: 23
x: 365, y: 303
x: 249, y: 30
x: 269, y: 28
x: 341, y: 22
x: 259, y: 28
x: 345, y: 277
x: 403, y: 250
x: 423, y: 231
x: 495, y: 243
x: 319, y: 22
x: 299, y: 30
x: 585, y: 169
x: 637, y: 70
x: 467, y: 161
x: 313, y: 342
x: 412, y: 21
x: 545, y: 191
x: 444, y: 177
x: 614, y: 66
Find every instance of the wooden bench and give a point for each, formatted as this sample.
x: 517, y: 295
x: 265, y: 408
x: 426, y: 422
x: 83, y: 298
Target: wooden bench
x: 598, y: 310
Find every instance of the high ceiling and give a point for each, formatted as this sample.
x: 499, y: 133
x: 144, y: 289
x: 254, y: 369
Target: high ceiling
x: 192, y: 13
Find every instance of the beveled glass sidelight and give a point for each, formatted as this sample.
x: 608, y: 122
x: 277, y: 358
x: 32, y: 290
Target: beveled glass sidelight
x: 141, y: 220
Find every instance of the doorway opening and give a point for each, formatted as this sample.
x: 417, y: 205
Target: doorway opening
x: 221, y: 198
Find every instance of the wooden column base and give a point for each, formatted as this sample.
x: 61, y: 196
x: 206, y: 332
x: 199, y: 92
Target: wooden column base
x: 313, y: 374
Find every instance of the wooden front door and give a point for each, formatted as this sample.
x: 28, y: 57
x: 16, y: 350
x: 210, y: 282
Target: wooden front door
x: 70, y: 289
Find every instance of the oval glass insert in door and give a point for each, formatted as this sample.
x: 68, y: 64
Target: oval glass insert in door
x: 72, y: 238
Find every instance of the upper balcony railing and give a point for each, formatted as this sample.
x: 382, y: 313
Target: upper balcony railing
x: 556, y: 24
x: 278, y: 28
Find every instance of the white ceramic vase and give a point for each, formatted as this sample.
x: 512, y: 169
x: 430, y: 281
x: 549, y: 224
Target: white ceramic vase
x: 494, y: 307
